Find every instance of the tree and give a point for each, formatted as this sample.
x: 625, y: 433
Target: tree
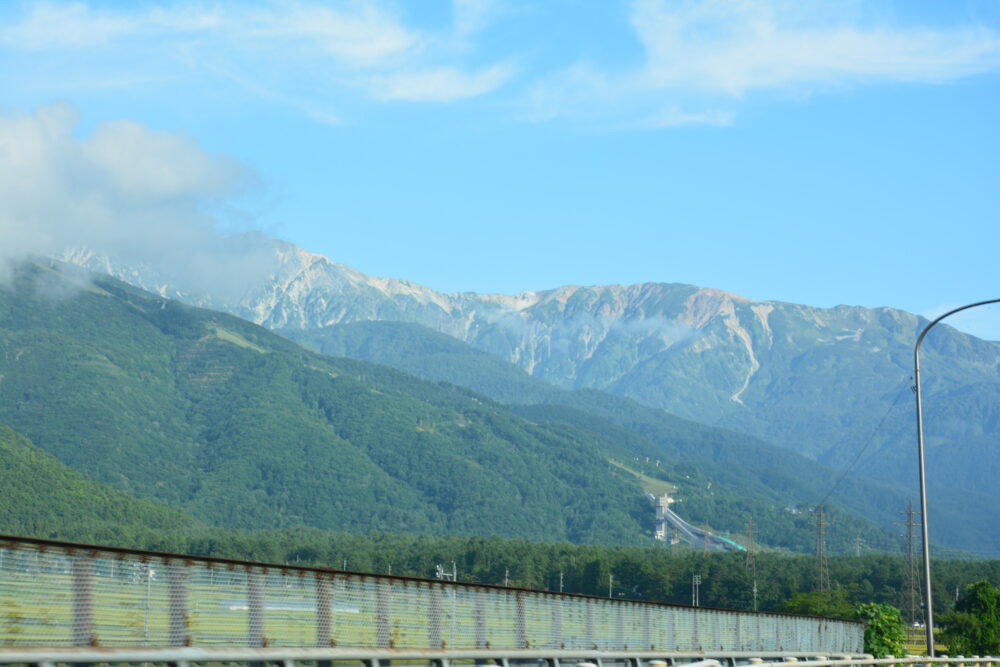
x: 974, y: 627
x: 830, y: 604
x: 885, y: 633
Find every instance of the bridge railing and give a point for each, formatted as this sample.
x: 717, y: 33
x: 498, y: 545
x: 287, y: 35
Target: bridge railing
x: 62, y: 594
x: 333, y: 657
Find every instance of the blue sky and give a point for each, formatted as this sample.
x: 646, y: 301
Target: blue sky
x: 814, y: 152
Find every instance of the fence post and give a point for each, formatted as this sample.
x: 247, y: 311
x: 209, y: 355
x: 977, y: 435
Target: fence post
x: 647, y: 630
x: 434, y: 637
x: 383, y: 614
x: 324, y: 611
x: 557, y: 629
x: 479, y: 612
x: 519, y: 625
x: 673, y: 627
x: 83, y: 601
x: 255, y: 610
x: 588, y: 623
x: 177, y: 598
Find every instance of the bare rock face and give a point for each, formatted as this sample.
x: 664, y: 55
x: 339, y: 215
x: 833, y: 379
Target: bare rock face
x: 814, y: 379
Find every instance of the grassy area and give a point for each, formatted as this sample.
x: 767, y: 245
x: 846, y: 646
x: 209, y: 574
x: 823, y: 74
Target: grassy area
x: 916, y: 642
x: 236, y: 339
x: 649, y: 484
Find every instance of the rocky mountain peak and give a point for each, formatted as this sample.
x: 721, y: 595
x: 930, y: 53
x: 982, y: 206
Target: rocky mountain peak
x: 789, y: 373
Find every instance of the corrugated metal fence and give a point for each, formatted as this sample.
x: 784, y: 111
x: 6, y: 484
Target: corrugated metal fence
x: 59, y: 594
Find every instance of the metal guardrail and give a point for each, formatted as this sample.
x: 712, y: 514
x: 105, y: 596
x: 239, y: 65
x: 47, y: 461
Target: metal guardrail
x: 62, y: 594
x: 186, y: 657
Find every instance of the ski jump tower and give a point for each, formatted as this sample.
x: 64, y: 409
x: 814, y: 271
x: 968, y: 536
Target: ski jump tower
x: 663, y: 532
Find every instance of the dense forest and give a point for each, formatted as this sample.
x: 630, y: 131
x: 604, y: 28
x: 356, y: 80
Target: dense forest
x: 724, y: 476
x: 240, y: 428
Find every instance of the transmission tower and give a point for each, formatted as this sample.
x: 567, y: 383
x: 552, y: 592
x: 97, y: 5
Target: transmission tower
x: 752, y: 561
x: 822, y: 569
x: 857, y: 546
x: 913, y: 597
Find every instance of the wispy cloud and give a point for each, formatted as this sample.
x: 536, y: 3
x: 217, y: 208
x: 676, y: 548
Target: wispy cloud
x: 698, y: 61
x: 50, y: 25
x: 275, y: 50
x: 734, y: 47
x: 676, y: 117
x: 441, y: 84
x: 363, y: 35
x: 716, y: 53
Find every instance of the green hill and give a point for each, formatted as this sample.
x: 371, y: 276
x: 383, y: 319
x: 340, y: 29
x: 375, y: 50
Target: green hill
x: 42, y: 497
x: 242, y: 428
x: 749, y: 476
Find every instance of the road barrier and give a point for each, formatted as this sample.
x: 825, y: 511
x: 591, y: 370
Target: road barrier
x: 63, y: 594
x: 331, y: 657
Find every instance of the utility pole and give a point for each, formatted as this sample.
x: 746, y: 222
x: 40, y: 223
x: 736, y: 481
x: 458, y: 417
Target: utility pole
x: 912, y: 578
x: 751, y: 562
x: 928, y: 599
x: 695, y: 585
x: 611, y: 579
x: 822, y: 569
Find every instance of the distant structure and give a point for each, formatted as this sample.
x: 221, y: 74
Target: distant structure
x: 913, y: 597
x: 672, y: 529
x: 822, y: 569
x: 664, y: 531
x: 751, y: 562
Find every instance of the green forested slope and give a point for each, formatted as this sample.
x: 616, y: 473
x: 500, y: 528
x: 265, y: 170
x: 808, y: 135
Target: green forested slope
x: 44, y: 498
x: 748, y: 475
x: 245, y: 429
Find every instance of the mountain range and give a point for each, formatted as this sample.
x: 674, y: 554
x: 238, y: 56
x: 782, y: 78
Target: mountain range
x: 238, y: 427
x: 829, y: 383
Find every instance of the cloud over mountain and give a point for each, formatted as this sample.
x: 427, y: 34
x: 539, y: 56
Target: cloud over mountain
x: 123, y: 189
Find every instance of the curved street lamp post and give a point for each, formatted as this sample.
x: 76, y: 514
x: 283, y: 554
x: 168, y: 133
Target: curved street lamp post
x: 928, y: 607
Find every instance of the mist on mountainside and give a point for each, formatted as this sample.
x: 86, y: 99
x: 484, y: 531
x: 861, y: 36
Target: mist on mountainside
x: 128, y: 194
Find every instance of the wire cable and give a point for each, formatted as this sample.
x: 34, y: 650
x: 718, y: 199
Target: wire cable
x: 857, y: 457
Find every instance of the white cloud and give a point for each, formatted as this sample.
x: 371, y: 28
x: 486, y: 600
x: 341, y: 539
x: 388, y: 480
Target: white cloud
x: 737, y: 46
x: 364, y: 37
x: 73, y: 26
x: 471, y: 16
x: 123, y: 190
x: 706, y: 56
x: 299, y: 54
x: 676, y: 117
x: 442, y: 84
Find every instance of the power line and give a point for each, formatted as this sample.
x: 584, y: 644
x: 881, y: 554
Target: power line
x: 861, y: 452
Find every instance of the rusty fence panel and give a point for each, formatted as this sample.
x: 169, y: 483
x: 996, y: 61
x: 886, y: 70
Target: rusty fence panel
x: 58, y: 594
